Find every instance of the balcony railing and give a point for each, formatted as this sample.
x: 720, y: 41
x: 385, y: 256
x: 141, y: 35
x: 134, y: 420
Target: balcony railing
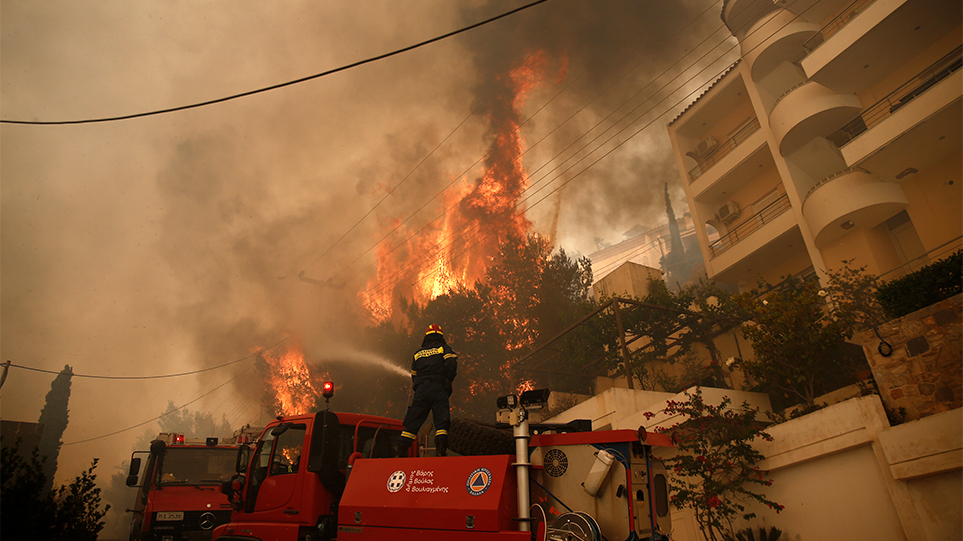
x: 837, y: 24
x: 909, y: 91
x: 750, y: 226
x: 724, y: 148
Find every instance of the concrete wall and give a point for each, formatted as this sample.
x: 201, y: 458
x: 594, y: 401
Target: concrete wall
x: 924, y: 373
x: 841, y: 472
x: 629, y: 280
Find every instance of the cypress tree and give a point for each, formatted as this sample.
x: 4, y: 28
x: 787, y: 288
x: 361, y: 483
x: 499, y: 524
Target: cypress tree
x: 53, y: 417
x: 674, y: 263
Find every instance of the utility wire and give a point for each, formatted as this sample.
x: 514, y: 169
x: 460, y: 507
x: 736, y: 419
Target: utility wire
x: 165, y: 414
x: 91, y: 376
x: 281, y: 85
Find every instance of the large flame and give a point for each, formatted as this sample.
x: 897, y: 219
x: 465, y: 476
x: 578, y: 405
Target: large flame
x: 295, y: 386
x: 457, y: 250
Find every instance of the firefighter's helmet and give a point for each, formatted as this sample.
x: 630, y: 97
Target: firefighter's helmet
x: 434, y: 328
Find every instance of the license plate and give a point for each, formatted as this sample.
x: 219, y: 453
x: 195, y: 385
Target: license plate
x: 170, y: 515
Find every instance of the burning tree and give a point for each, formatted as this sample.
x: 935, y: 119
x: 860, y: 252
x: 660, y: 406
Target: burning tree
x: 527, y: 293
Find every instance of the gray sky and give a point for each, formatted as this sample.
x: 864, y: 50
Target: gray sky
x: 171, y: 243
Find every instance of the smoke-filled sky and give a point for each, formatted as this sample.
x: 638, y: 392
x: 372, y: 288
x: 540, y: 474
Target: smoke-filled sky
x: 172, y: 243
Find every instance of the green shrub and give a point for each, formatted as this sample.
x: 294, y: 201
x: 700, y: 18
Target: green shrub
x: 931, y: 284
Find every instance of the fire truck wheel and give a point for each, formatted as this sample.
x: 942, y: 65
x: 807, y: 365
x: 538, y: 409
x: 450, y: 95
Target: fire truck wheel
x: 471, y: 438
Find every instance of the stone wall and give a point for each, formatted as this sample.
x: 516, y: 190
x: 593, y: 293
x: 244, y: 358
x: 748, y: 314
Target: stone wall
x: 923, y: 371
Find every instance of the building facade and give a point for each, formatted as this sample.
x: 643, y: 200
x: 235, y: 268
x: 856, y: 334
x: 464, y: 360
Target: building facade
x: 835, y: 137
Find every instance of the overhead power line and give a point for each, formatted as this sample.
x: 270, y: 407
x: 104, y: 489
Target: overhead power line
x: 92, y: 376
x: 165, y: 414
x: 280, y: 85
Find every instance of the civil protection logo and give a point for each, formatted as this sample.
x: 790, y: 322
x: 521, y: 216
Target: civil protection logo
x: 479, y: 481
x: 396, y: 481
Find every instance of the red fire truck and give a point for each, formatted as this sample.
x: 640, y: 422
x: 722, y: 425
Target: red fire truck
x: 178, y: 497
x: 333, y: 475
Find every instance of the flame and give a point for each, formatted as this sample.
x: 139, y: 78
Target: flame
x: 524, y: 385
x: 295, y: 387
x: 458, y: 250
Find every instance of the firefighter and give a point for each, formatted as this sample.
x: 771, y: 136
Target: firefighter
x: 432, y: 371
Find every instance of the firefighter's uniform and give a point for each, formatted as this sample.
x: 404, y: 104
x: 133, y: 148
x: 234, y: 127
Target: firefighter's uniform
x: 432, y: 370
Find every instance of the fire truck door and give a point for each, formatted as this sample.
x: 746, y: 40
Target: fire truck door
x: 276, y: 466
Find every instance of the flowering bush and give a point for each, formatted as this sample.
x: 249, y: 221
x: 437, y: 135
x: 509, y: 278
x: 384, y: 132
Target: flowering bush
x: 716, y: 468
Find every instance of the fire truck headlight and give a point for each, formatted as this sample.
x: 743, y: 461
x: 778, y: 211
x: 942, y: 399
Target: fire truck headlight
x: 507, y: 402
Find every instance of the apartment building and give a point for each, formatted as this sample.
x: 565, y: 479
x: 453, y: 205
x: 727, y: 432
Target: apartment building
x: 836, y: 136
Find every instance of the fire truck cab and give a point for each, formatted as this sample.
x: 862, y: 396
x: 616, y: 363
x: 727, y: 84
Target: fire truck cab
x: 177, y: 493
x: 290, y: 485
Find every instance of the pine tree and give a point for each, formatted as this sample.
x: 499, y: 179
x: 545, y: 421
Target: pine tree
x: 53, y: 417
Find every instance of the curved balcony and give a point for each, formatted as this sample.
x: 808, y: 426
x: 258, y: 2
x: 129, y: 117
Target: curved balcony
x: 739, y: 15
x: 777, y: 38
x: 808, y: 111
x: 849, y: 199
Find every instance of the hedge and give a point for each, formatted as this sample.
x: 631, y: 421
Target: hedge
x: 931, y: 284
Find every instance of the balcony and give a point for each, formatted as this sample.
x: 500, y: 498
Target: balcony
x: 777, y: 39
x: 909, y: 91
x: 807, y: 111
x: 869, y: 40
x: 750, y: 226
x: 837, y: 24
x: 711, y: 157
x: 849, y: 199
x: 739, y: 15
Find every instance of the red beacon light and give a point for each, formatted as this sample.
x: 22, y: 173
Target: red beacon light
x: 178, y: 439
x: 327, y: 391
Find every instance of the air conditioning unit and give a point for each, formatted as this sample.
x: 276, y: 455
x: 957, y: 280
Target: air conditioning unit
x: 728, y: 212
x: 707, y: 145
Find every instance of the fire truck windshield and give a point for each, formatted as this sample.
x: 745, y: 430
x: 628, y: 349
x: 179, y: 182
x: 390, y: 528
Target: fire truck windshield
x: 197, y: 466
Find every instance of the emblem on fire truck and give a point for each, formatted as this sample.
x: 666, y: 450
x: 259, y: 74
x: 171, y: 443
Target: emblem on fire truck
x: 396, y: 481
x: 479, y: 481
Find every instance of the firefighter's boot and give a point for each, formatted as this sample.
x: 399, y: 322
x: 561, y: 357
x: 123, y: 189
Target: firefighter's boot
x: 441, y: 445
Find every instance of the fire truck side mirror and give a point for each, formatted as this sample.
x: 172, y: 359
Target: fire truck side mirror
x: 132, y: 473
x: 243, y: 458
x: 234, y: 486
x: 232, y: 489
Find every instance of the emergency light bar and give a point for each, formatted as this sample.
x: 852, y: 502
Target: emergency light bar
x: 172, y: 438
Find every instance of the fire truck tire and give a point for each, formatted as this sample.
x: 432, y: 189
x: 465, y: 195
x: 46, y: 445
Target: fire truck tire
x: 471, y: 438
